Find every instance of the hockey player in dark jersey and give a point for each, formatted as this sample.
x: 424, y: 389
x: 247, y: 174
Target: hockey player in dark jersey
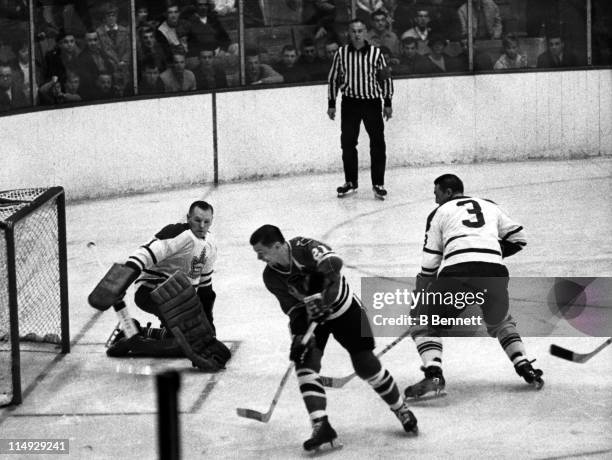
x: 297, y: 270
x: 185, y: 248
x: 466, y: 240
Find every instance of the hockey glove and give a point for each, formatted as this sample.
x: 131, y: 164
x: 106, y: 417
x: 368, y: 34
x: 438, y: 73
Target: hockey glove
x: 315, y: 307
x: 299, y: 350
x: 509, y: 248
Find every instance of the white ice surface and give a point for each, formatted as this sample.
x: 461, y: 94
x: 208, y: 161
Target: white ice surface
x: 489, y: 412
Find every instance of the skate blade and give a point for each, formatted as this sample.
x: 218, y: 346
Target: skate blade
x: 428, y: 396
x: 537, y: 384
x: 326, y: 448
x: 379, y: 197
x: 113, y: 335
x: 344, y: 195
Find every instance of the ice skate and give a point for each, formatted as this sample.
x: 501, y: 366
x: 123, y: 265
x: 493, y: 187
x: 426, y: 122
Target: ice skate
x: 431, y: 386
x: 379, y: 192
x: 346, y: 189
x: 409, y: 421
x: 118, y: 344
x: 532, y: 376
x: 322, y: 433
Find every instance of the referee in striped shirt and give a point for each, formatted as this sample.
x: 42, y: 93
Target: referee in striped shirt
x: 360, y: 72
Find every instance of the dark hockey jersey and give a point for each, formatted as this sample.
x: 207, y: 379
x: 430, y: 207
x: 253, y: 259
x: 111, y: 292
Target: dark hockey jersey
x: 306, y: 255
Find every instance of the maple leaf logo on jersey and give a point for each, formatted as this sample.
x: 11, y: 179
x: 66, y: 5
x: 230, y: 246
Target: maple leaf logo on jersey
x: 197, y: 264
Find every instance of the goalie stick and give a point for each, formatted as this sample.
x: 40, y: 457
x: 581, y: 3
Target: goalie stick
x: 339, y: 382
x: 126, y: 321
x: 265, y: 416
x: 564, y: 353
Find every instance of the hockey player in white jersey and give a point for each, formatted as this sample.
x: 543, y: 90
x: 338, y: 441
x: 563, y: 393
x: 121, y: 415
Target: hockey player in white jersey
x: 467, y: 239
x: 173, y: 273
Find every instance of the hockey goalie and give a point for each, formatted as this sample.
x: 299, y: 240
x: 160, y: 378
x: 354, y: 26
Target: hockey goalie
x: 173, y: 275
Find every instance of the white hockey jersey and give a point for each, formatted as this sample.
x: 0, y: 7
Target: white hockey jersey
x: 466, y: 229
x: 176, y: 248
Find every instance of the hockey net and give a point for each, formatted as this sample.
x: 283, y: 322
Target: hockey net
x: 33, y: 281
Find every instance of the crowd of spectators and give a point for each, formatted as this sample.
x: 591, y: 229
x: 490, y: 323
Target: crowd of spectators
x: 83, y: 48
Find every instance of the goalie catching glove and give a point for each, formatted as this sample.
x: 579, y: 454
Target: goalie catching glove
x: 180, y: 307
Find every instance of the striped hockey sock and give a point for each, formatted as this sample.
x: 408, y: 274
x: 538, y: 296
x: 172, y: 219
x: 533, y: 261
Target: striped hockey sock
x: 511, y: 342
x: 313, y: 393
x: 430, y: 350
x: 384, y: 384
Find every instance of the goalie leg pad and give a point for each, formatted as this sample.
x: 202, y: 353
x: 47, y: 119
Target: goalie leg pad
x: 112, y: 286
x: 182, y: 311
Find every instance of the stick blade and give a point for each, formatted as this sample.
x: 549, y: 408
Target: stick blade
x: 251, y: 414
x: 561, y: 352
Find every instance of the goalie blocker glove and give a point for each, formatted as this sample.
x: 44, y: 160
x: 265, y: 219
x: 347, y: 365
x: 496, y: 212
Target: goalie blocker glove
x: 112, y: 286
x: 180, y: 307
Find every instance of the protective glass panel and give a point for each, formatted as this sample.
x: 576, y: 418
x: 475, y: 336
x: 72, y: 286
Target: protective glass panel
x: 15, y: 74
x: 83, y: 51
x: 294, y: 40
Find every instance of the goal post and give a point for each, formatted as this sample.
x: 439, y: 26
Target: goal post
x: 33, y: 281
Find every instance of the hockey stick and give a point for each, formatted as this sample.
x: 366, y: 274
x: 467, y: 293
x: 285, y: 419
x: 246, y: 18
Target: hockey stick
x: 126, y: 321
x: 339, y: 382
x: 265, y: 416
x: 564, y: 353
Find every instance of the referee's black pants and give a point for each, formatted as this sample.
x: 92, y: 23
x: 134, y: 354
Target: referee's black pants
x: 353, y: 112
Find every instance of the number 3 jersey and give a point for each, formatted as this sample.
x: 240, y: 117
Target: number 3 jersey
x: 306, y: 255
x: 174, y: 248
x: 467, y: 229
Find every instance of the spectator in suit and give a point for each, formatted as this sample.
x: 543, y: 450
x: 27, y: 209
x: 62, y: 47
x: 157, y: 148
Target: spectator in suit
x: 208, y: 74
x: 512, y: 57
x: 258, y: 73
x: 11, y: 97
x: 150, y: 83
x: 115, y: 39
x: 91, y: 62
x: 486, y: 20
x: 168, y: 31
x: 556, y: 55
x: 177, y: 78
